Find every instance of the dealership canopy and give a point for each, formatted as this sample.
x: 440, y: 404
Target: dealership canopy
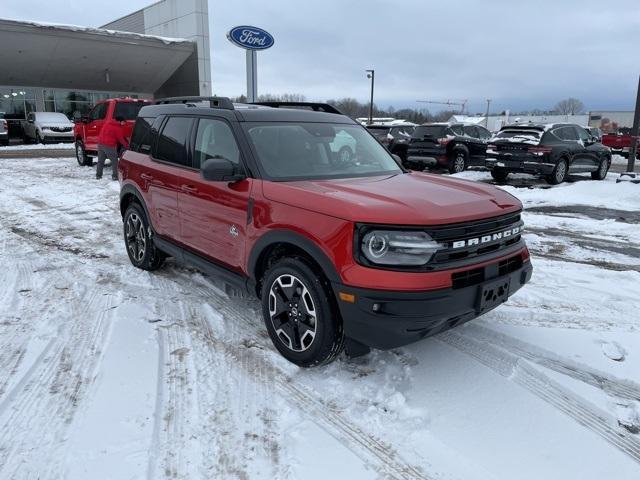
x: 65, y: 56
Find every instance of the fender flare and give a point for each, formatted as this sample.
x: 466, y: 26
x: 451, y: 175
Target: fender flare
x: 460, y: 147
x: 129, y: 189
x: 296, y: 239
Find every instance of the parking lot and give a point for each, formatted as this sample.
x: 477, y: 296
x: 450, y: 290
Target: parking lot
x: 111, y: 372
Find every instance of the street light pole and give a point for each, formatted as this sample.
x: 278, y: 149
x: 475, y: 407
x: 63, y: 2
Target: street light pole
x: 486, y: 121
x: 372, y: 75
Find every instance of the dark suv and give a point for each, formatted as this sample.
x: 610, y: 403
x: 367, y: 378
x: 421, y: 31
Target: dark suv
x: 451, y: 146
x: 358, y: 253
x: 394, y: 137
x: 552, y: 151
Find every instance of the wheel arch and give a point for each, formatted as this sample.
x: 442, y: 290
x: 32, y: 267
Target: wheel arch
x: 130, y: 194
x: 282, y: 243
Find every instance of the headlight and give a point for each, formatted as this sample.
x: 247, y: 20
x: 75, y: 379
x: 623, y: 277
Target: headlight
x: 392, y: 247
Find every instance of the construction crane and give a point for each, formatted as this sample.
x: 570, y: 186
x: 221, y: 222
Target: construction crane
x: 460, y: 103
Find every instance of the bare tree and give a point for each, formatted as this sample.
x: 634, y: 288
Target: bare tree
x: 569, y: 106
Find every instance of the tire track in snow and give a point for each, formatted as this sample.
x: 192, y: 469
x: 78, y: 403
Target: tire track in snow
x: 609, y: 384
x: 374, y: 452
x: 521, y: 373
x: 34, y: 423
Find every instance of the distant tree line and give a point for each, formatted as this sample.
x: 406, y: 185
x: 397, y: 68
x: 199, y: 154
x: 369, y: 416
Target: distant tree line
x: 354, y: 109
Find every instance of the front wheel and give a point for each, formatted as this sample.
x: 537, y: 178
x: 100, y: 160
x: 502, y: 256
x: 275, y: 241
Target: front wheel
x: 137, y: 238
x: 300, y: 313
x: 559, y: 173
x: 39, y: 139
x: 458, y: 162
x: 602, y: 171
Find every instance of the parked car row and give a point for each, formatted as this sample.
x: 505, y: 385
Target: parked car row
x: 552, y: 151
x: 42, y: 127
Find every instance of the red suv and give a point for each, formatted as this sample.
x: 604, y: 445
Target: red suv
x: 87, y: 129
x: 358, y: 253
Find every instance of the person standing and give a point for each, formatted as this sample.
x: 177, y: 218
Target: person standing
x: 110, y: 138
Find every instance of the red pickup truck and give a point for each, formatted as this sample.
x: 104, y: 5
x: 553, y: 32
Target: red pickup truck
x: 620, y: 142
x: 87, y: 128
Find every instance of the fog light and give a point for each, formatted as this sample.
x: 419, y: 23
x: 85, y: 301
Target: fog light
x: 377, y: 307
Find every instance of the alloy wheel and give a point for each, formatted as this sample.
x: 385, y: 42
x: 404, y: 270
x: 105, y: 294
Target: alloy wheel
x: 136, y: 237
x: 561, y: 171
x: 292, y: 312
x: 458, y: 163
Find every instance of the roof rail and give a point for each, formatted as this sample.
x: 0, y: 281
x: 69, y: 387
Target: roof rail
x: 215, y: 102
x: 316, y: 107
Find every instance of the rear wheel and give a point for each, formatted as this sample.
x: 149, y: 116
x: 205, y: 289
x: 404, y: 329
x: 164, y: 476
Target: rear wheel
x: 559, y: 173
x: 458, y: 161
x: 499, y: 174
x: 602, y: 171
x: 137, y: 239
x: 300, y: 313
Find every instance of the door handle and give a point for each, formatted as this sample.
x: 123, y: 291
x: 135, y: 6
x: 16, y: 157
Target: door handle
x: 146, y: 177
x: 188, y: 188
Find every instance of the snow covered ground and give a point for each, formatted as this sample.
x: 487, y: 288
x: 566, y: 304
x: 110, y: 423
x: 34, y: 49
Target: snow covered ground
x: 109, y: 372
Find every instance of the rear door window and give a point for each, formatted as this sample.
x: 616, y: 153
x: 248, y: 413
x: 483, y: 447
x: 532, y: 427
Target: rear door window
x: 566, y: 133
x: 457, y: 129
x: 172, y: 141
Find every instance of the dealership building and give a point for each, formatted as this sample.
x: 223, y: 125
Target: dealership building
x: 159, y: 51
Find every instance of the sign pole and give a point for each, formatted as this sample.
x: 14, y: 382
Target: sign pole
x: 252, y: 76
x: 634, y: 134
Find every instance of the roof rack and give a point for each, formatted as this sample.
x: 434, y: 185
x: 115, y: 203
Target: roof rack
x: 316, y: 107
x: 215, y: 102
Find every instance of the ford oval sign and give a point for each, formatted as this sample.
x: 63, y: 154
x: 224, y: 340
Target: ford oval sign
x: 250, y: 38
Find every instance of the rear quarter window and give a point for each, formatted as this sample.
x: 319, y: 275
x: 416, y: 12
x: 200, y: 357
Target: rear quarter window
x: 142, y: 137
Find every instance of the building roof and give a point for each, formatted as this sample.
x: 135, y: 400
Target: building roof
x: 67, y: 56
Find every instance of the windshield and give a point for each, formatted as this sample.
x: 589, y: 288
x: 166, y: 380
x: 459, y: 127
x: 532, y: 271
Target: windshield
x: 296, y: 151
x: 51, y: 117
x: 127, y: 110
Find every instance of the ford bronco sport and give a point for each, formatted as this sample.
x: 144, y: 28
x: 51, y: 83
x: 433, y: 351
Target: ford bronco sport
x: 357, y: 254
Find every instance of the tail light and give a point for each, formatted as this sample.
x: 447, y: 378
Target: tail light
x: 444, y: 140
x: 539, y: 150
x: 491, y: 146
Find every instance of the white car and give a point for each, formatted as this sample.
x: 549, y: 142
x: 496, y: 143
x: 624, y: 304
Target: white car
x: 41, y: 127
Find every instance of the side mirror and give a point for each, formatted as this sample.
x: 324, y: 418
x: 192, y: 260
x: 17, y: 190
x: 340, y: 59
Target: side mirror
x: 220, y: 169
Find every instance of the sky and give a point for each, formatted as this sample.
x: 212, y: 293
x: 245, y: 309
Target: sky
x: 520, y: 54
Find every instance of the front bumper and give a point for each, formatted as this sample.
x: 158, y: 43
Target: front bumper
x: 385, y: 319
x: 50, y: 135
x: 520, y: 165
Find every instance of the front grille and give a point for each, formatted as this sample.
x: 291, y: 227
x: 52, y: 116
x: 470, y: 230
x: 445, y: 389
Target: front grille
x: 509, y: 265
x: 476, y: 276
x: 467, y: 278
x: 60, y: 129
x: 474, y: 239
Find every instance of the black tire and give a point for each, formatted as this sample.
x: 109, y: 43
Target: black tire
x: 81, y: 155
x: 603, y: 169
x: 301, y: 314
x: 499, y: 175
x: 39, y: 139
x: 559, y: 173
x: 458, y: 161
x: 142, y: 251
x: 344, y: 155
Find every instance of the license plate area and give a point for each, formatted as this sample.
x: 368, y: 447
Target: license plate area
x: 492, y: 294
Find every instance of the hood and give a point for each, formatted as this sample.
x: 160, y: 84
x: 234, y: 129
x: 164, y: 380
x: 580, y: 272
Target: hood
x: 405, y: 199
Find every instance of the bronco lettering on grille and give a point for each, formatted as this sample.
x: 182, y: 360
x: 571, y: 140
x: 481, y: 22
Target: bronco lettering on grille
x: 494, y: 237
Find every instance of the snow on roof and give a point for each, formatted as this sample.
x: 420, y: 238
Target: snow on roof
x: 100, y: 31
